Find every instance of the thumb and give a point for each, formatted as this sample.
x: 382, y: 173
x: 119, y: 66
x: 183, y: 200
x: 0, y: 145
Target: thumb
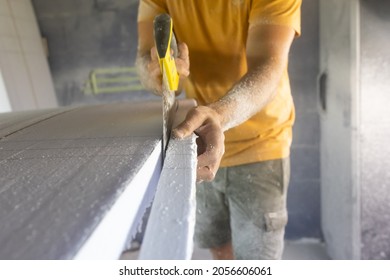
x: 193, y: 121
x: 183, y: 130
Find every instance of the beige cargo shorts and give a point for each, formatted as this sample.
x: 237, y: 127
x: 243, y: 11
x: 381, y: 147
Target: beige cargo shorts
x: 245, y: 204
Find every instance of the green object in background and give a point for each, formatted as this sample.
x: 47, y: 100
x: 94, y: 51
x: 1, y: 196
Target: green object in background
x: 113, y: 80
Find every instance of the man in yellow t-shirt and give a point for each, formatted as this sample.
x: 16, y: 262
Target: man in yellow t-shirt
x: 233, y: 60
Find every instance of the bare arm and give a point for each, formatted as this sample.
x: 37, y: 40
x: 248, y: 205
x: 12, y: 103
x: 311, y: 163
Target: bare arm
x: 267, y: 54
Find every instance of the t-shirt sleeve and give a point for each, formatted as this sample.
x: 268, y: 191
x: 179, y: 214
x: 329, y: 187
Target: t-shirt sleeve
x: 278, y: 12
x: 148, y: 9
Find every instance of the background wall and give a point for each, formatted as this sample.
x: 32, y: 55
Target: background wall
x: 375, y: 129
x: 339, y: 55
x: 24, y: 67
x: 84, y: 35
x: 355, y: 154
x: 304, y: 190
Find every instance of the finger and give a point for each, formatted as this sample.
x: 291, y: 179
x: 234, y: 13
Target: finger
x: 212, y: 155
x: 183, y: 60
x: 153, y: 54
x: 193, y: 120
x: 208, y: 158
x: 183, y: 51
x: 154, y: 69
x: 183, y: 67
x: 205, y: 174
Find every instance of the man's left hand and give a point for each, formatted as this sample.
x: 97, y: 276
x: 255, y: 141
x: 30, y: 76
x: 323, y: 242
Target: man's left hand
x: 206, y: 123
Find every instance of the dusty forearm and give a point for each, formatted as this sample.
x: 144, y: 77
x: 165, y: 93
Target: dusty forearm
x: 251, y: 94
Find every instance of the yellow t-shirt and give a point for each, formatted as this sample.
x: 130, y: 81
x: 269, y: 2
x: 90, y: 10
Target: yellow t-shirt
x: 216, y: 32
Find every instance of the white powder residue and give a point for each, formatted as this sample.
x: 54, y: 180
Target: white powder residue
x: 249, y: 96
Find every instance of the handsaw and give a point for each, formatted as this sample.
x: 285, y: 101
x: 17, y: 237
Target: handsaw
x: 166, y: 46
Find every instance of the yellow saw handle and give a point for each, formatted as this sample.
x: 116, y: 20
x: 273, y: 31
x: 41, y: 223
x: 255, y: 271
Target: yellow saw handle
x: 165, y: 41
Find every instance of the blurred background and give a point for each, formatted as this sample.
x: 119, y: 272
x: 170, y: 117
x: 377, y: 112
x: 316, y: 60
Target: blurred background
x: 74, y: 52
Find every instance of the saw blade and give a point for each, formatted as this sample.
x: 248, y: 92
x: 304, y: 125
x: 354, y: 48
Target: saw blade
x: 169, y: 105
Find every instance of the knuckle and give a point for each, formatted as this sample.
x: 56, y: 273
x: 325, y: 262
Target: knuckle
x: 196, y: 113
x: 185, y: 126
x: 209, y: 176
x: 205, y: 174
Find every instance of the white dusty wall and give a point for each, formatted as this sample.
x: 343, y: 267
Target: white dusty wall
x: 355, y: 128
x: 23, y: 63
x: 339, y: 151
x: 375, y: 129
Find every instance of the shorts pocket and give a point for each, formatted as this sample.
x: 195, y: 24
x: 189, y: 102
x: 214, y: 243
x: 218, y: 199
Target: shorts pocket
x: 275, y: 220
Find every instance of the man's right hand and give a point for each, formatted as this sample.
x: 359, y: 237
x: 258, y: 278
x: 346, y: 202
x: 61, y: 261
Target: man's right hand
x: 182, y: 66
